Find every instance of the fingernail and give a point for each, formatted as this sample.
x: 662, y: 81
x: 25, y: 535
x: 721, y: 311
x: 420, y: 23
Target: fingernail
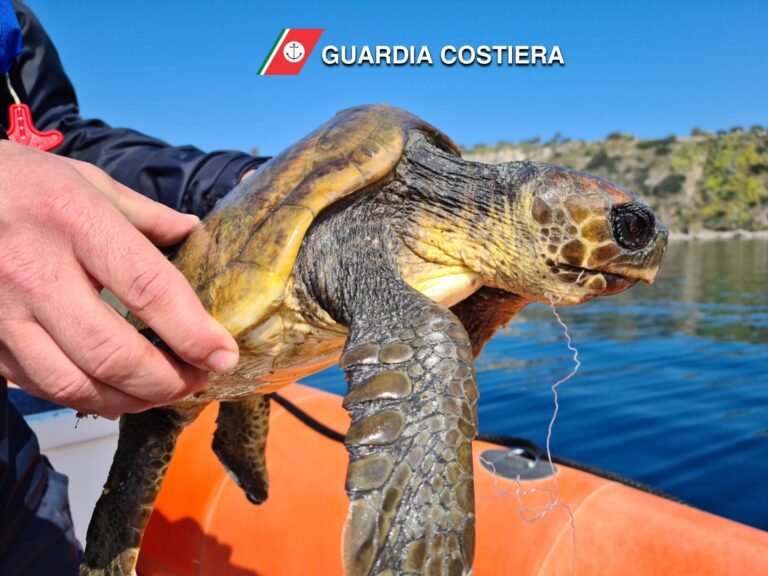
x: 193, y: 218
x: 222, y: 360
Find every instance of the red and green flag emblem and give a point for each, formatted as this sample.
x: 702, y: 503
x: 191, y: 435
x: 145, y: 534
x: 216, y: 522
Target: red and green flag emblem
x: 290, y: 51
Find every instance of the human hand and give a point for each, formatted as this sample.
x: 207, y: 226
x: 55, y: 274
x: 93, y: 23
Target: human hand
x: 67, y: 230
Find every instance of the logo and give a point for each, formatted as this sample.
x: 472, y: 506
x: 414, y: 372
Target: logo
x: 293, y: 51
x: 290, y: 51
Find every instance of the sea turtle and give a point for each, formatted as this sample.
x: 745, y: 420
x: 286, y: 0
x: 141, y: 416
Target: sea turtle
x: 372, y: 240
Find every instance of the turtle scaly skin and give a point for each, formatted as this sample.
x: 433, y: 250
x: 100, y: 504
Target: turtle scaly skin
x: 372, y: 243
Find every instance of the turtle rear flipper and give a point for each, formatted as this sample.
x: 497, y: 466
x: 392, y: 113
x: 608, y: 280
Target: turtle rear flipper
x: 240, y: 442
x: 143, y: 453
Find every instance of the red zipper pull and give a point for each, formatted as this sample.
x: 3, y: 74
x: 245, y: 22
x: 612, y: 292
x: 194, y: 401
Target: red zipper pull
x: 22, y: 129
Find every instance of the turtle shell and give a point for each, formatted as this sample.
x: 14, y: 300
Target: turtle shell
x: 241, y: 255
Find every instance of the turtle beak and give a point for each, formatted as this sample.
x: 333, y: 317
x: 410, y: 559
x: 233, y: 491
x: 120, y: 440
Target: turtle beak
x: 640, y: 265
x: 650, y: 275
x: 652, y: 259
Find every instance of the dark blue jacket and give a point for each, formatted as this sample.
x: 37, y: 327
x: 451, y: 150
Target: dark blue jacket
x: 36, y: 535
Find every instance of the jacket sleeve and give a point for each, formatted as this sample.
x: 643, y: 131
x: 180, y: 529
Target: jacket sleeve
x: 182, y: 177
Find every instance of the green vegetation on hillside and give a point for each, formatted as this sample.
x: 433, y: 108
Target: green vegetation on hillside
x: 702, y: 181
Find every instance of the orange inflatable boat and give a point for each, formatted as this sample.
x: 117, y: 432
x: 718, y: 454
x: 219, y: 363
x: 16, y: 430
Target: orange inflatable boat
x: 203, y: 524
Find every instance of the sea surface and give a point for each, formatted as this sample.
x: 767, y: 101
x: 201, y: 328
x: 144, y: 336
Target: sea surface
x: 673, y: 386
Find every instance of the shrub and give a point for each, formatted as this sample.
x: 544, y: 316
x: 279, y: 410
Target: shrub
x: 670, y: 184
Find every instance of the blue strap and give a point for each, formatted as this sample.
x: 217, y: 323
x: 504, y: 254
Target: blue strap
x: 10, y: 36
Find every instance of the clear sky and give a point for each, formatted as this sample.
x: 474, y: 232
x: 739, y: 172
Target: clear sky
x: 186, y: 70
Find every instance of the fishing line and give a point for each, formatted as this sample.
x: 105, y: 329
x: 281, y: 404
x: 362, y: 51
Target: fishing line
x: 576, y: 365
x: 532, y: 514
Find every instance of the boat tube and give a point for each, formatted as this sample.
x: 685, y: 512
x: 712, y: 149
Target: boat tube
x: 203, y: 524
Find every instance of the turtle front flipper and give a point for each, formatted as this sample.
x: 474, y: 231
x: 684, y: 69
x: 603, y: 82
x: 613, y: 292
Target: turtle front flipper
x: 412, y: 398
x: 143, y: 453
x: 240, y: 442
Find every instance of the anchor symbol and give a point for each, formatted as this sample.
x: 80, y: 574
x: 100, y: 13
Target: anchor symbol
x: 293, y: 51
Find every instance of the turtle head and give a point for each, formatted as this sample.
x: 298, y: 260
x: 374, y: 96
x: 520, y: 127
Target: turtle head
x: 582, y: 237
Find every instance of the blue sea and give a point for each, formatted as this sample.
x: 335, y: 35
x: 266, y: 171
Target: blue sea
x: 672, y: 390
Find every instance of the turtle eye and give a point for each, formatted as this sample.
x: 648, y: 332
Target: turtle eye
x: 633, y: 225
